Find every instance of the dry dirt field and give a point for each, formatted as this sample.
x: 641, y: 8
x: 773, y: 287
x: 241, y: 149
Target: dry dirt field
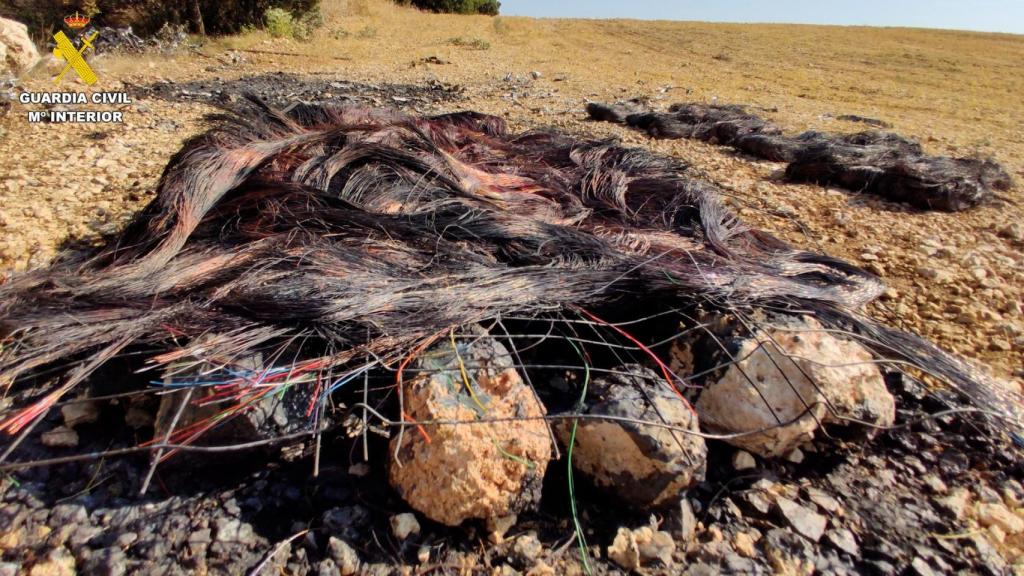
x: 957, y: 279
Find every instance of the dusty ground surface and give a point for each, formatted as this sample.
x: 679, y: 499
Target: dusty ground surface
x: 955, y: 278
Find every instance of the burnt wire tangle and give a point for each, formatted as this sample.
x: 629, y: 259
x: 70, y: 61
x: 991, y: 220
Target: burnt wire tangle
x: 305, y: 269
x: 875, y: 122
x: 877, y: 162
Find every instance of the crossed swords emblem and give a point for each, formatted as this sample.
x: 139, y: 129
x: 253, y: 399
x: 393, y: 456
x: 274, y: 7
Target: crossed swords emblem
x: 66, y: 50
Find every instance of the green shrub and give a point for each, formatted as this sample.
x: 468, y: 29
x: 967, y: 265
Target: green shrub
x: 367, y: 33
x: 227, y: 17
x: 470, y: 43
x: 304, y: 26
x: 302, y: 31
x: 280, y: 23
x: 488, y: 7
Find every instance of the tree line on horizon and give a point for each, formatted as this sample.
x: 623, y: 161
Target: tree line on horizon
x: 202, y: 16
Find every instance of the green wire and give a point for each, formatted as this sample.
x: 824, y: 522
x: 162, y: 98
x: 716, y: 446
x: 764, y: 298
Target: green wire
x: 580, y: 538
x: 519, y: 459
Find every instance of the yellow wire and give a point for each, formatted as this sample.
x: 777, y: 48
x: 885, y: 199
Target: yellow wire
x: 465, y: 380
x: 462, y: 369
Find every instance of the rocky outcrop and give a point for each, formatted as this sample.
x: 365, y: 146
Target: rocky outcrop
x: 645, y: 465
x: 797, y: 375
x: 17, y: 52
x: 470, y: 471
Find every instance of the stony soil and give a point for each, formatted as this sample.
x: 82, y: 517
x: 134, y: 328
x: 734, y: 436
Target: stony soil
x: 936, y: 497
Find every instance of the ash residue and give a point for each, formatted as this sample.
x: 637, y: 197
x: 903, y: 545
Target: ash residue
x: 280, y: 89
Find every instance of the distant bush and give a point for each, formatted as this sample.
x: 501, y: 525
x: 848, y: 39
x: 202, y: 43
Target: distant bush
x: 280, y: 23
x: 488, y: 7
x: 471, y: 43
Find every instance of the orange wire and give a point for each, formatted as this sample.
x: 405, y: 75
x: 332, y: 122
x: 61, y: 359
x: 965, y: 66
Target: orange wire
x: 398, y: 378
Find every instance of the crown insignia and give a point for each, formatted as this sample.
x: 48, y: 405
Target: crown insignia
x: 77, y: 21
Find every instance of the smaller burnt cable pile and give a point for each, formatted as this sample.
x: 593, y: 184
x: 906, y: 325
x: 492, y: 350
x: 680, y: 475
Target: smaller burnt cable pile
x: 881, y: 163
x: 293, y: 252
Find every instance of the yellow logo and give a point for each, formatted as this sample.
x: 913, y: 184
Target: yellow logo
x: 66, y: 50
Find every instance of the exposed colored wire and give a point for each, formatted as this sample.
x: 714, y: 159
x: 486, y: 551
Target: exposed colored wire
x: 15, y: 423
x: 465, y: 375
x: 664, y: 369
x: 401, y: 391
x: 517, y: 459
x: 581, y: 540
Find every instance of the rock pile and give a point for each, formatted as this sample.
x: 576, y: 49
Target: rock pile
x: 640, y: 439
x: 633, y: 549
x: 17, y: 52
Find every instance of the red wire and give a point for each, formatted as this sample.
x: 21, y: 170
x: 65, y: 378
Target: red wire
x: 664, y: 369
x: 401, y: 369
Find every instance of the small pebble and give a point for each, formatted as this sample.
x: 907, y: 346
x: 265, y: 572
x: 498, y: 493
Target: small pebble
x: 404, y: 525
x: 743, y: 460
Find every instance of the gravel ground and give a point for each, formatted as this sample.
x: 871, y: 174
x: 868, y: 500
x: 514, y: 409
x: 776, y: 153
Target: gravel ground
x: 937, y: 497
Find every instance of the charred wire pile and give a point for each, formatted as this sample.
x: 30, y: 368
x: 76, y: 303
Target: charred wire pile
x: 881, y: 163
x: 490, y: 298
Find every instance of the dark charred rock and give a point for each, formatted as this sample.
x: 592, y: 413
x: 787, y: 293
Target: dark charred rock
x: 348, y: 522
x: 644, y: 465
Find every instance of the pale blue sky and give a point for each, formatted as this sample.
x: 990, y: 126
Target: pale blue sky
x: 987, y: 15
